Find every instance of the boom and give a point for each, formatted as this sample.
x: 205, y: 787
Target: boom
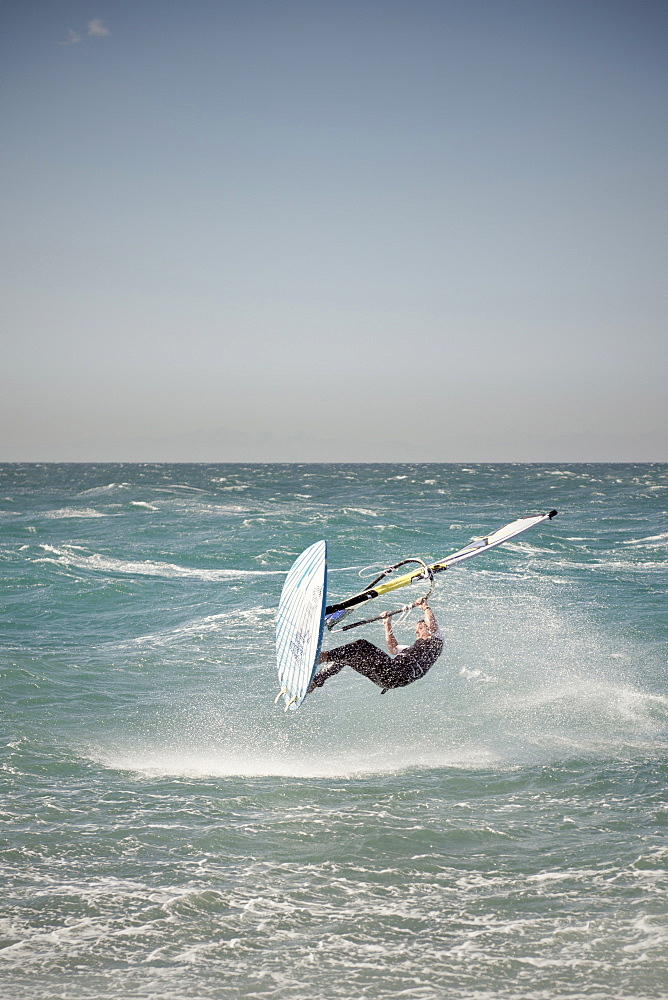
x: 474, y: 548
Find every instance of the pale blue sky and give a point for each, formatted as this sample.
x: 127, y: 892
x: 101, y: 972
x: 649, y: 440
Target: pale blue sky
x: 330, y: 231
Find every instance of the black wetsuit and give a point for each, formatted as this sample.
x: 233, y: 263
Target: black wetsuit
x: 386, y: 671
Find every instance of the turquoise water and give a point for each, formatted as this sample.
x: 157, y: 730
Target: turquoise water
x: 496, y: 830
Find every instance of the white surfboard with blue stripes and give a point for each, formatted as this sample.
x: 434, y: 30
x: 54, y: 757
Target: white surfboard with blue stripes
x: 299, y: 624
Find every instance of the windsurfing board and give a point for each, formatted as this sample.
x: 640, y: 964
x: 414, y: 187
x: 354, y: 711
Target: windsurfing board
x: 299, y: 623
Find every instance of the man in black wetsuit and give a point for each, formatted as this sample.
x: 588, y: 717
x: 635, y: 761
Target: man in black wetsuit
x: 405, y: 664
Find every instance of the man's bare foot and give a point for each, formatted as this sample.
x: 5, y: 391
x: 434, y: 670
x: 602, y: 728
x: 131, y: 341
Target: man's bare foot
x: 315, y: 683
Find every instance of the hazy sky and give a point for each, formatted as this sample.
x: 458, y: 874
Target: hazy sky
x: 329, y: 230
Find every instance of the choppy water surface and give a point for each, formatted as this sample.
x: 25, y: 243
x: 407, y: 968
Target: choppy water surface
x: 495, y: 830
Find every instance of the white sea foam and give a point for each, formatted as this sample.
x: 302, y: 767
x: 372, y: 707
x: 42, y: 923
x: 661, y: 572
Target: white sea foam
x: 277, y: 764
x: 351, y: 732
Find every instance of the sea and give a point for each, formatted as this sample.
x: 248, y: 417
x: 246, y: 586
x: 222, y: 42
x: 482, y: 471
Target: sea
x: 498, y: 829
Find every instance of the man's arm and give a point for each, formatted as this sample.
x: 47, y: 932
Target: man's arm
x: 392, y: 644
x: 429, y: 617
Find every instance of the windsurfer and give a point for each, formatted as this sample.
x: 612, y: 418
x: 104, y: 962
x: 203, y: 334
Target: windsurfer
x: 402, y: 666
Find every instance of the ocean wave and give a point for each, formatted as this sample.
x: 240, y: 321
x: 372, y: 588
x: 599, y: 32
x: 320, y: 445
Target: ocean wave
x: 651, y: 542
x: 72, y: 512
x: 184, y: 486
x: 612, y: 564
x: 71, y: 556
x: 246, y: 618
x: 101, y: 490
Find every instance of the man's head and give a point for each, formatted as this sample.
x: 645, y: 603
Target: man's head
x: 422, y: 630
